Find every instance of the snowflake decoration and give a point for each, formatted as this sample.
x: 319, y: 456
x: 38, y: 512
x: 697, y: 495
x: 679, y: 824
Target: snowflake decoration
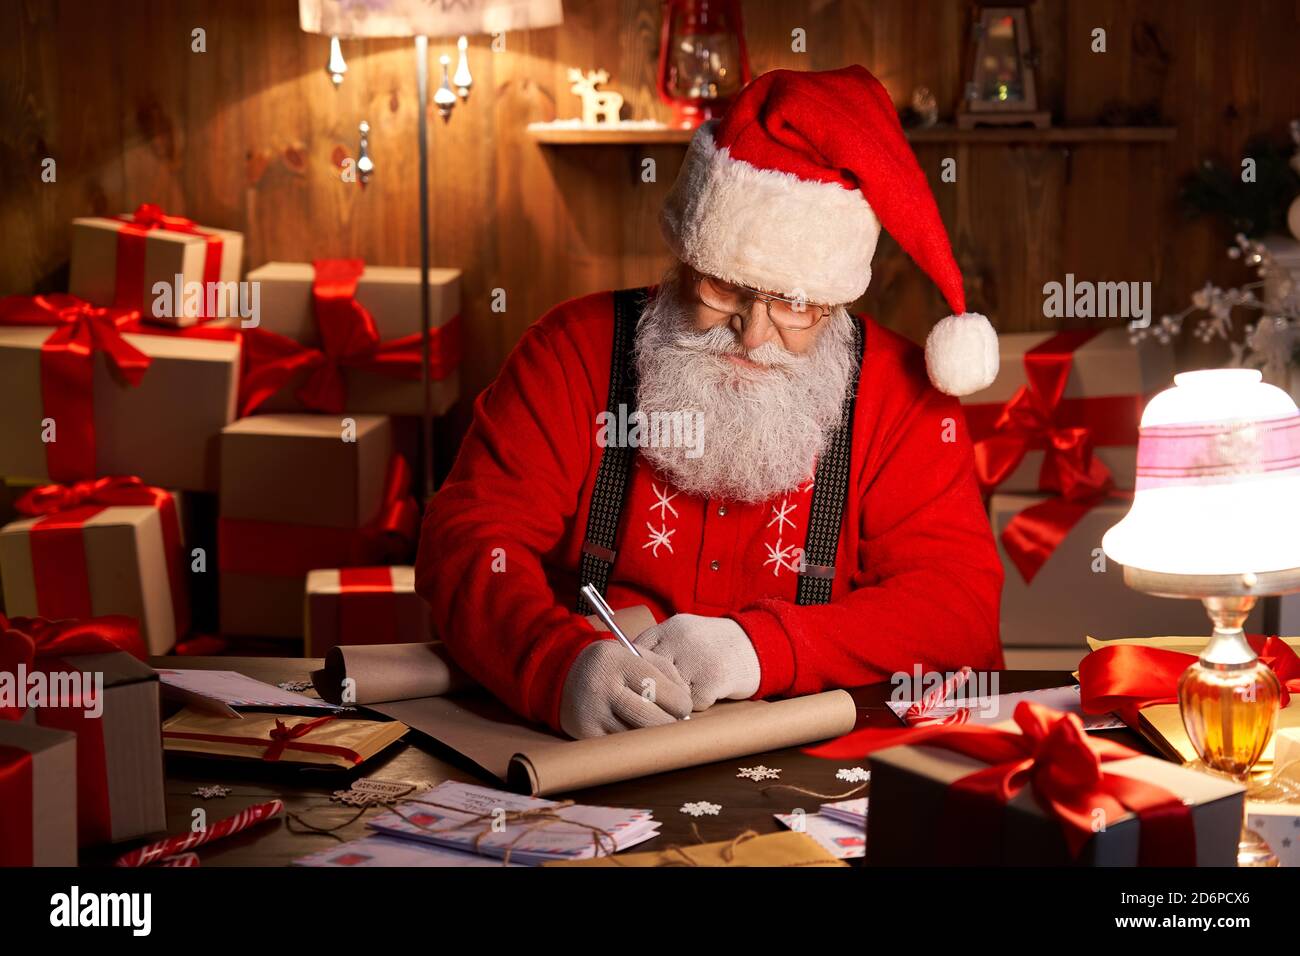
x: 664, y: 504
x: 211, y: 792
x: 781, y: 557
x: 296, y: 686
x: 759, y: 773
x: 779, y: 514
x: 659, y: 538
x: 853, y: 774
x: 702, y: 808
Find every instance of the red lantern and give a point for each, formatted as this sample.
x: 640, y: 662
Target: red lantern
x: 702, y: 58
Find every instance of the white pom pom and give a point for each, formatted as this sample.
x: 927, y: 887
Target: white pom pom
x: 961, y: 354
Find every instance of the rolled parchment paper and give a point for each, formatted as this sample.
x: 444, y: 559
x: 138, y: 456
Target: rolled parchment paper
x: 382, y: 672
x: 530, y: 758
x: 386, y: 672
x: 723, y: 732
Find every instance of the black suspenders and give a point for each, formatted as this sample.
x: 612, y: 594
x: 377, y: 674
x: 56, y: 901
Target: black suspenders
x: 829, y: 490
x: 616, y: 461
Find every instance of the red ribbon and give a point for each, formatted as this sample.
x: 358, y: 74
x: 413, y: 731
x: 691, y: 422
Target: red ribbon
x: 42, y: 645
x: 280, y: 739
x: 1063, y: 767
x: 128, y: 291
x: 349, y: 340
x: 58, y: 545
x: 18, y: 797
x: 68, y: 370
x: 366, y: 609
x: 1124, y: 678
x: 1032, y: 420
x: 288, y: 550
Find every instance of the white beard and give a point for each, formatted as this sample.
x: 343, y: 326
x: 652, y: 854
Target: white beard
x: 763, y: 429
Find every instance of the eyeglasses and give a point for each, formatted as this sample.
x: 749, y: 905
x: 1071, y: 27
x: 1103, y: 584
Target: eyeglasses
x: 731, y: 298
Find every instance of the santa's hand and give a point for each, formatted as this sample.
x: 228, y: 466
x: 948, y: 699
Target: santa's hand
x: 713, y: 655
x: 609, y: 689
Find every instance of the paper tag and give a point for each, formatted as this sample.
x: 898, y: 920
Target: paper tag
x: 370, y: 792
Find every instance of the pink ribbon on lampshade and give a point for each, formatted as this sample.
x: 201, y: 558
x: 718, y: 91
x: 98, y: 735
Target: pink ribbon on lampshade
x: 1217, y: 452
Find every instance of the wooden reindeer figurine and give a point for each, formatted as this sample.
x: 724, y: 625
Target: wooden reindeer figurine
x: 597, y: 105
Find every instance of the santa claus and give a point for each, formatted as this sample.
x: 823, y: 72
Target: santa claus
x: 804, y: 514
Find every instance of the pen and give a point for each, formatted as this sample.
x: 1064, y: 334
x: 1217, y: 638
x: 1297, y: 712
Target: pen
x: 606, y: 615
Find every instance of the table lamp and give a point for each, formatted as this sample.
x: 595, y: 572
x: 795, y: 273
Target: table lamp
x: 422, y: 19
x: 1216, y: 516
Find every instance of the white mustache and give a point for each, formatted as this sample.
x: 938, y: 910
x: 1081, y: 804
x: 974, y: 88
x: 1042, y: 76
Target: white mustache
x: 721, y: 341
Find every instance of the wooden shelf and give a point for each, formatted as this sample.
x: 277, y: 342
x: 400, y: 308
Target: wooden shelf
x: 1060, y: 135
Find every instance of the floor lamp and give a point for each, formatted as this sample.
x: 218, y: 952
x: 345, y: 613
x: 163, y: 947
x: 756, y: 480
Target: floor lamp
x: 421, y: 19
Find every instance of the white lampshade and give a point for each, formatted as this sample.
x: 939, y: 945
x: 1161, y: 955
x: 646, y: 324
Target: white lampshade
x: 408, y: 18
x: 1218, y: 480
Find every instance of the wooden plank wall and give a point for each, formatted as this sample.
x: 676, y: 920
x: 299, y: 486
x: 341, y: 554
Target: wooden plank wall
x: 250, y: 134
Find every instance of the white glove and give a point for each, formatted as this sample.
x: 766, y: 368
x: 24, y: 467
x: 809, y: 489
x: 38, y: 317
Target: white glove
x: 609, y: 689
x: 713, y: 654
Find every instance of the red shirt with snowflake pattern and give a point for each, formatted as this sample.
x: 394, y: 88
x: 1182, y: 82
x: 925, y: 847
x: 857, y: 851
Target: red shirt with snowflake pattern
x: 917, y: 576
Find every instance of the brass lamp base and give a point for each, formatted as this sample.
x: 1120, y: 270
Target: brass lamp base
x: 1228, y: 699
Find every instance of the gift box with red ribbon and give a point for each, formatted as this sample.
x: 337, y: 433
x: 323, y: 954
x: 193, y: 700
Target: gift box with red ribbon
x: 338, y: 334
x: 110, y: 546
x: 1064, y: 410
x: 87, y: 677
x: 38, y: 823
x: 301, y: 492
x: 84, y: 393
x: 120, y: 262
x: 1058, y: 586
x: 375, y: 605
x: 1036, y: 792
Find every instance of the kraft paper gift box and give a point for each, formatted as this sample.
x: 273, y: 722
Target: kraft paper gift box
x: 909, y: 796
x: 320, y: 741
x: 125, y: 559
x: 1067, y: 599
x: 294, y: 497
x: 1109, y: 382
x: 392, y: 297
x: 116, y: 262
x: 38, y: 819
x: 164, y: 430
x: 376, y: 605
x: 119, y: 752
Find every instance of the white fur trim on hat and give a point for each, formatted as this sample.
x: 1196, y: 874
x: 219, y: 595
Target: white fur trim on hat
x: 961, y: 354
x: 768, y: 229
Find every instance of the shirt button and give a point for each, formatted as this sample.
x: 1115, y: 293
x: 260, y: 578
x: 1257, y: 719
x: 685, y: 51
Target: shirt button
x: 722, y: 511
x: 715, y: 565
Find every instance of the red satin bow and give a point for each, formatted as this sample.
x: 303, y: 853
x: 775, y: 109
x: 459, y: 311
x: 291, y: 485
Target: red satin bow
x: 128, y: 289
x: 25, y: 640
x: 1054, y: 756
x: 349, y: 340
x: 1124, y: 678
x: 58, y: 550
x: 1028, y: 421
x: 68, y: 370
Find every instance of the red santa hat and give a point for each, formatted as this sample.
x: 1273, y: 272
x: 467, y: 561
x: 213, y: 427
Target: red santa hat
x: 788, y: 193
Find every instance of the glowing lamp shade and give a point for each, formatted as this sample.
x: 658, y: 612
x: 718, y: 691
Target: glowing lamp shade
x: 1218, y: 480
x: 439, y: 18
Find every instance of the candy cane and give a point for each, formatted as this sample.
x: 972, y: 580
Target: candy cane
x: 173, y: 846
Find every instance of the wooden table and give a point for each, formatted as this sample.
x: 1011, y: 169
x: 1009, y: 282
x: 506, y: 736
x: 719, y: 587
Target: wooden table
x: 416, y: 757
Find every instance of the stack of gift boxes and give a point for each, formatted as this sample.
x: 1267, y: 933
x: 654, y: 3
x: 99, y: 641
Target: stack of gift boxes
x: 1056, y: 450
x: 160, y: 379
